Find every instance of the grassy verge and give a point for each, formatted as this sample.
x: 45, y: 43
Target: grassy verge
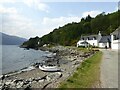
x: 84, y: 49
x: 86, y: 75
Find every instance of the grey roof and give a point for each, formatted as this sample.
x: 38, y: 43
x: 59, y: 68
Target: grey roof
x: 117, y: 31
x: 90, y: 37
x: 105, y: 39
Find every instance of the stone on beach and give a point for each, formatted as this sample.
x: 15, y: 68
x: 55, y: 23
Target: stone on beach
x: 53, y: 76
x: 67, y: 58
x: 8, y: 82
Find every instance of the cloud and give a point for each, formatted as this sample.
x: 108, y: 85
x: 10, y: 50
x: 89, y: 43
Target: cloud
x: 4, y: 10
x: 117, y: 8
x: 48, y: 24
x: 8, y: 1
x: 43, y: 7
x: 36, y: 4
x: 119, y: 5
x: 60, y: 21
x: 91, y: 13
x: 14, y: 23
x: 94, y: 13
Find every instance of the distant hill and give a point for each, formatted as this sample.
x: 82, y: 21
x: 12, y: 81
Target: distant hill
x: 70, y: 33
x: 11, y: 40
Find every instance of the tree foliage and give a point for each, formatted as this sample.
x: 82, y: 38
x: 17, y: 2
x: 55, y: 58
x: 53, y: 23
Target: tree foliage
x: 70, y: 33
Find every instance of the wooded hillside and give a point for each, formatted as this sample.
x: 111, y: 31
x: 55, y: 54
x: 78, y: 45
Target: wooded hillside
x: 70, y: 33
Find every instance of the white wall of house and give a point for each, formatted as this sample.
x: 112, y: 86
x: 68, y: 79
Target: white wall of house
x: 93, y: 42
x: 79, y: 43
x: 115, y: 44
x: 102, y: 45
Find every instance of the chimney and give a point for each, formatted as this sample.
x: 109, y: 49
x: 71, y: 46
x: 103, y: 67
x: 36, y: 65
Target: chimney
x: 99, y: 33
x: 99, y: 37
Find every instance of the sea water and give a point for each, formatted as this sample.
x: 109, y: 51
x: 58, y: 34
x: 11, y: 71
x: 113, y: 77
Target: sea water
x: 13, y: 58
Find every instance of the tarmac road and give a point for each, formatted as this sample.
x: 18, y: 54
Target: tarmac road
x: 109, y: 69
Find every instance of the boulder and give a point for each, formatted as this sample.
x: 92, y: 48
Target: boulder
x: 26, y: 87
x: 54, y: 54
x: 18, y: 80
x: 5, y: 87
x: 8, y: 82
x: 31, y: 79
x: 44, y: 77
x: 53, y: 76
x: 26, y: 82
x: 19, y: 84
x: 1, y: 85
x: 37, y: 79
x: 42, y: 80
x: 12, y: 85
x: 2, y: 77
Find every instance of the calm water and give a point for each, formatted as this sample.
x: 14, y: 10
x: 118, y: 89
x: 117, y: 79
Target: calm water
x: 14, y: 58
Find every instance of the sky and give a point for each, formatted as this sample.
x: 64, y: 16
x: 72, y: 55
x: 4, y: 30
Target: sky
x: 30, y: 18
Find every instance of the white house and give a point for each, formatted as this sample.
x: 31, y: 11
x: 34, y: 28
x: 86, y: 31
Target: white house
x: 95, y: 40
x: 115, y: 39
x: 112, y: 41
x: 91, y: 39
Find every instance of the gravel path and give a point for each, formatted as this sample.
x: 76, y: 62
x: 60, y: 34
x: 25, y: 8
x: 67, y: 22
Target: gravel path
x: 109, y: 69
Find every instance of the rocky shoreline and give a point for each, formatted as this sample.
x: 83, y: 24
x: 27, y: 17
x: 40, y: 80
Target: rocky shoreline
x: 66, y: 58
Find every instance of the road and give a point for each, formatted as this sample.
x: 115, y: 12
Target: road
x: 109, y: 69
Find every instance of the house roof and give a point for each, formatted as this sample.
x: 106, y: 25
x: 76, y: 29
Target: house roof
x: 105, y: 39
x: 90, y: 37
x: 117, y: 31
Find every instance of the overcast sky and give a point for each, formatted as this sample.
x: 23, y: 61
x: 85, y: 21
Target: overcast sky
x: 30, y: 18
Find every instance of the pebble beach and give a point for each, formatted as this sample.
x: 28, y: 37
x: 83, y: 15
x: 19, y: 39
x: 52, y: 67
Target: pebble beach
x: 65, y: 58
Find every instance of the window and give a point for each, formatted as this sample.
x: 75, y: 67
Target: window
x: 115, y: 37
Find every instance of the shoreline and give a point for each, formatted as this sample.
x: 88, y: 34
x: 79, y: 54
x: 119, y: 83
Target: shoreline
x: 27, y: 67
x: 66, y: 58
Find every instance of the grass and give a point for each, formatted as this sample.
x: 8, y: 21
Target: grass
x: 86, y: 75
x: 84, y: 49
